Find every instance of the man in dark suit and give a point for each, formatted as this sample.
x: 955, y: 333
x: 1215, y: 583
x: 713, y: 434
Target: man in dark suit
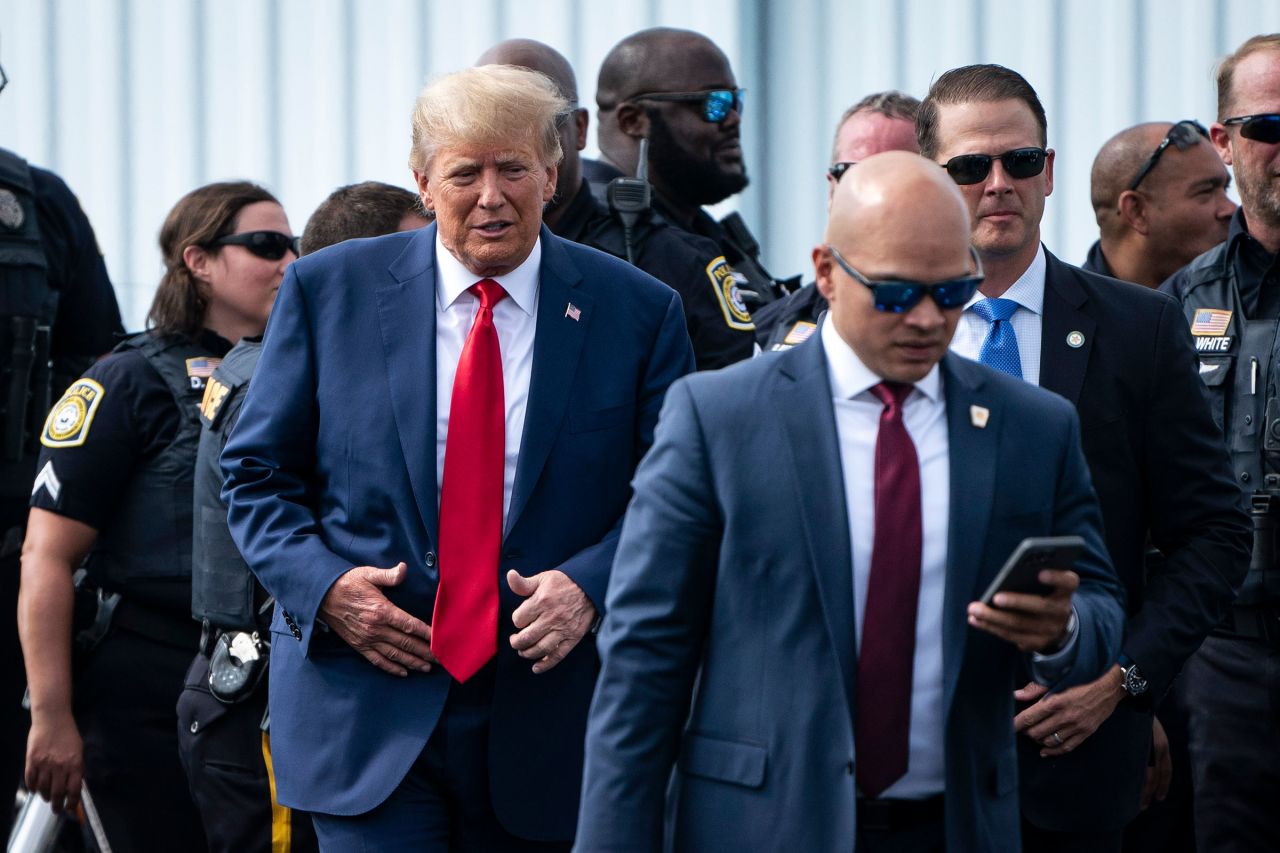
x: 845, y: 684
x: 429, y: 475
x: 1119, y: 353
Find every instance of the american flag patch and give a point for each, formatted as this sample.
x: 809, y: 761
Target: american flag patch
x: 1210, y: 321
x: 799, y: 333
x: 202, y: 367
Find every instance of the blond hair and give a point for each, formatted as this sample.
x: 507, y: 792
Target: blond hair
x: 492, y: 105
x: 1227, y: 70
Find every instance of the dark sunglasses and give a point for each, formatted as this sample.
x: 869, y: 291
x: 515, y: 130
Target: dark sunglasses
x: 1182, y: 135
x: 898, y: 297
x: 837, y: 170
x: 270, y: 245
x: 716, y: 103
x: 1264, y: 127
x: 1018, y: 164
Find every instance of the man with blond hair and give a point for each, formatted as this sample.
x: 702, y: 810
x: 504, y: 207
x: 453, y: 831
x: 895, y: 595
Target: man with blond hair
x: 429, y: 475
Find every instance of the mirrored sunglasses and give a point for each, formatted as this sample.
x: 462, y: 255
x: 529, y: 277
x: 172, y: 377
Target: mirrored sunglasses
x: 270, y: 245
x: 1263, y: 127
x: 899, y: 296
x: 1018, y: 164
x: 716, y: 103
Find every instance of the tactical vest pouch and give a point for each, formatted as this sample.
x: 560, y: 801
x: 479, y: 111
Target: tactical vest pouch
x: 237, y: 665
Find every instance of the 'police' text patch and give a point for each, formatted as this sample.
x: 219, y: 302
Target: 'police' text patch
x: 70, y: 418
x: 724, y: 281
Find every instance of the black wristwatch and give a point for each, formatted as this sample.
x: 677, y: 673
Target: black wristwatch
x: 1133, y: 682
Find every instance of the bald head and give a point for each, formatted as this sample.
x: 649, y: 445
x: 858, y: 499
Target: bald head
x: 660, y: 59
x: 535, y: 56
x: 1118, y: 163
x: 901, y: 199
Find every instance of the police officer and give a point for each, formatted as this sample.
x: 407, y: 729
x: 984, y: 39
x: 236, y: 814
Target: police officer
x: 223, y: 728
x: 883, y: 121
x: 113, y: 490
x: 675, y: 88
x: 57, y: 313
x: 1231, y: 297
x: 716, y: 314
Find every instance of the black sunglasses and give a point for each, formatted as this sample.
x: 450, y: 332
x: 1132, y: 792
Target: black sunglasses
x: 837, y: 170
x: 900, y: 296
x: 1182, y: 135
x: 716, y: 103
x: 270, y: 245
x: 1263, y: 127
x: 973, y: 168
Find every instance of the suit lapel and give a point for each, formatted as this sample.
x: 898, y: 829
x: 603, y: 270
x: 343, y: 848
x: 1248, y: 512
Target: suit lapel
x: 974, y: 455
x: 407, y: 316
x: 557, y: 346
x: 1062, y: 365
x: 804, y: 398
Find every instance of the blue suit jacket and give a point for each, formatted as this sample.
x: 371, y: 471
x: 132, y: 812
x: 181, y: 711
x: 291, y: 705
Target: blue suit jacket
x: 333, y: 465
x: 728, y: 649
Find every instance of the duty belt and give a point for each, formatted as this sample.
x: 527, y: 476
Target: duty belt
x: 1253, y: 623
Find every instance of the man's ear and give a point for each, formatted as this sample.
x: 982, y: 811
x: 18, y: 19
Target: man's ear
x: 822, y: 271
x: 633, y: 120
x: 581, y: 120
x: 1134, y: 211
x: 1221, y: 139
x: 424, y: 191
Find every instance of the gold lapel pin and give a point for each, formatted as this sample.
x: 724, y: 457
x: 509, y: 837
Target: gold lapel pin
x: 979, y: 415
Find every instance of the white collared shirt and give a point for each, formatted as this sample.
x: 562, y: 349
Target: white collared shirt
x: 515, y: 319
x: 1027, y: 321
x: 924, y: 413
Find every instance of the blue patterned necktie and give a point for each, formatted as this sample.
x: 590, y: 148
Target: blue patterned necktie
x: 1000, y: 346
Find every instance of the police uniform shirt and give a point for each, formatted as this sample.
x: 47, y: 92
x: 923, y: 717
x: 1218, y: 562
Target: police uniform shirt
x: 789, y: 321
x: 1256, y: 271
x: 108, y: 423
x: 719, y: 324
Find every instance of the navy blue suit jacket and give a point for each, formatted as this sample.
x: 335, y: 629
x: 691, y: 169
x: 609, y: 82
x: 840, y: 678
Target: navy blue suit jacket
x: 728, y: 648
x: 333, y: 465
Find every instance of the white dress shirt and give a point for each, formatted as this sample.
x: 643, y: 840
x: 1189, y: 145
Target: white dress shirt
x: 924, y: 414
x: 1028, y: 292
x: 515, y: 318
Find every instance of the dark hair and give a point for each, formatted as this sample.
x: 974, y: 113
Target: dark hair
x: 891, y: 104
x: 359, y: 210
x: 198, y: 219
x: 1227, y: 70
x: 974, y: 83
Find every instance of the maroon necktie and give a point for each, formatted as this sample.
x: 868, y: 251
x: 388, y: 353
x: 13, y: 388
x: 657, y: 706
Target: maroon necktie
x: 889, y: 618
x: 464, y: 628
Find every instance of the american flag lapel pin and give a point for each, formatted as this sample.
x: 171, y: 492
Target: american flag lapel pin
x: 573, y: 312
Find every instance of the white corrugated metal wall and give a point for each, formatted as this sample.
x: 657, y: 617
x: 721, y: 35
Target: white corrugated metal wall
x: 135, y: 102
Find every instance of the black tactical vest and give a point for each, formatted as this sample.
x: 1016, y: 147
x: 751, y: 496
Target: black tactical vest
x: 149, y: 539
x: 1240, y: 367
x: 27, y: 308
x: 222, y: 587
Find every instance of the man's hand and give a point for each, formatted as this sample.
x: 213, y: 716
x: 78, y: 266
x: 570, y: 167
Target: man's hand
x: 55, y: 760
x: 388, y: 637
x: 1063, y: 721
x: 1033, y: 623
x: 1160, y: 771
x: 555, y: 616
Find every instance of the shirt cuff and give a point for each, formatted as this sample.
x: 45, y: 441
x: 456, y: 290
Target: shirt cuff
x: 1049, y: 668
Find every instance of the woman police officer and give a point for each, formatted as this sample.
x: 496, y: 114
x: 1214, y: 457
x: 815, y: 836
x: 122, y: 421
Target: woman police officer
x: 114, y: 492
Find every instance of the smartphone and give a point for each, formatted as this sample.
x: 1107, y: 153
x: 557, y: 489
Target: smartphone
x: 1020, y: 572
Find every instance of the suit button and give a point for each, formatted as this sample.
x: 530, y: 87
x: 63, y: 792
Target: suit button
x: 1248, y: 419
x: 431, y: 559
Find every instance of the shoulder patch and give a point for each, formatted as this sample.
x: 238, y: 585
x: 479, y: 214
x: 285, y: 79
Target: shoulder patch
x: 724, y: 281
x: 215, y: 394
x: 70, y: 418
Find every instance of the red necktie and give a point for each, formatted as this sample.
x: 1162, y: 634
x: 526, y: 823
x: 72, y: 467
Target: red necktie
x: 464, y: 628
x: 889, y: 619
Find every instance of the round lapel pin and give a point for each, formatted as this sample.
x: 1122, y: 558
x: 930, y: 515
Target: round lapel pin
x: 1075, y: 340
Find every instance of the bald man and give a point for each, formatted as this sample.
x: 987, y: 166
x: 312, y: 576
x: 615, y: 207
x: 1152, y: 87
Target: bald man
x: 676, y: 89
x: 1160, y: 197
x: 882, y: 121
x: 719, y: 323
x: 742, y: 657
